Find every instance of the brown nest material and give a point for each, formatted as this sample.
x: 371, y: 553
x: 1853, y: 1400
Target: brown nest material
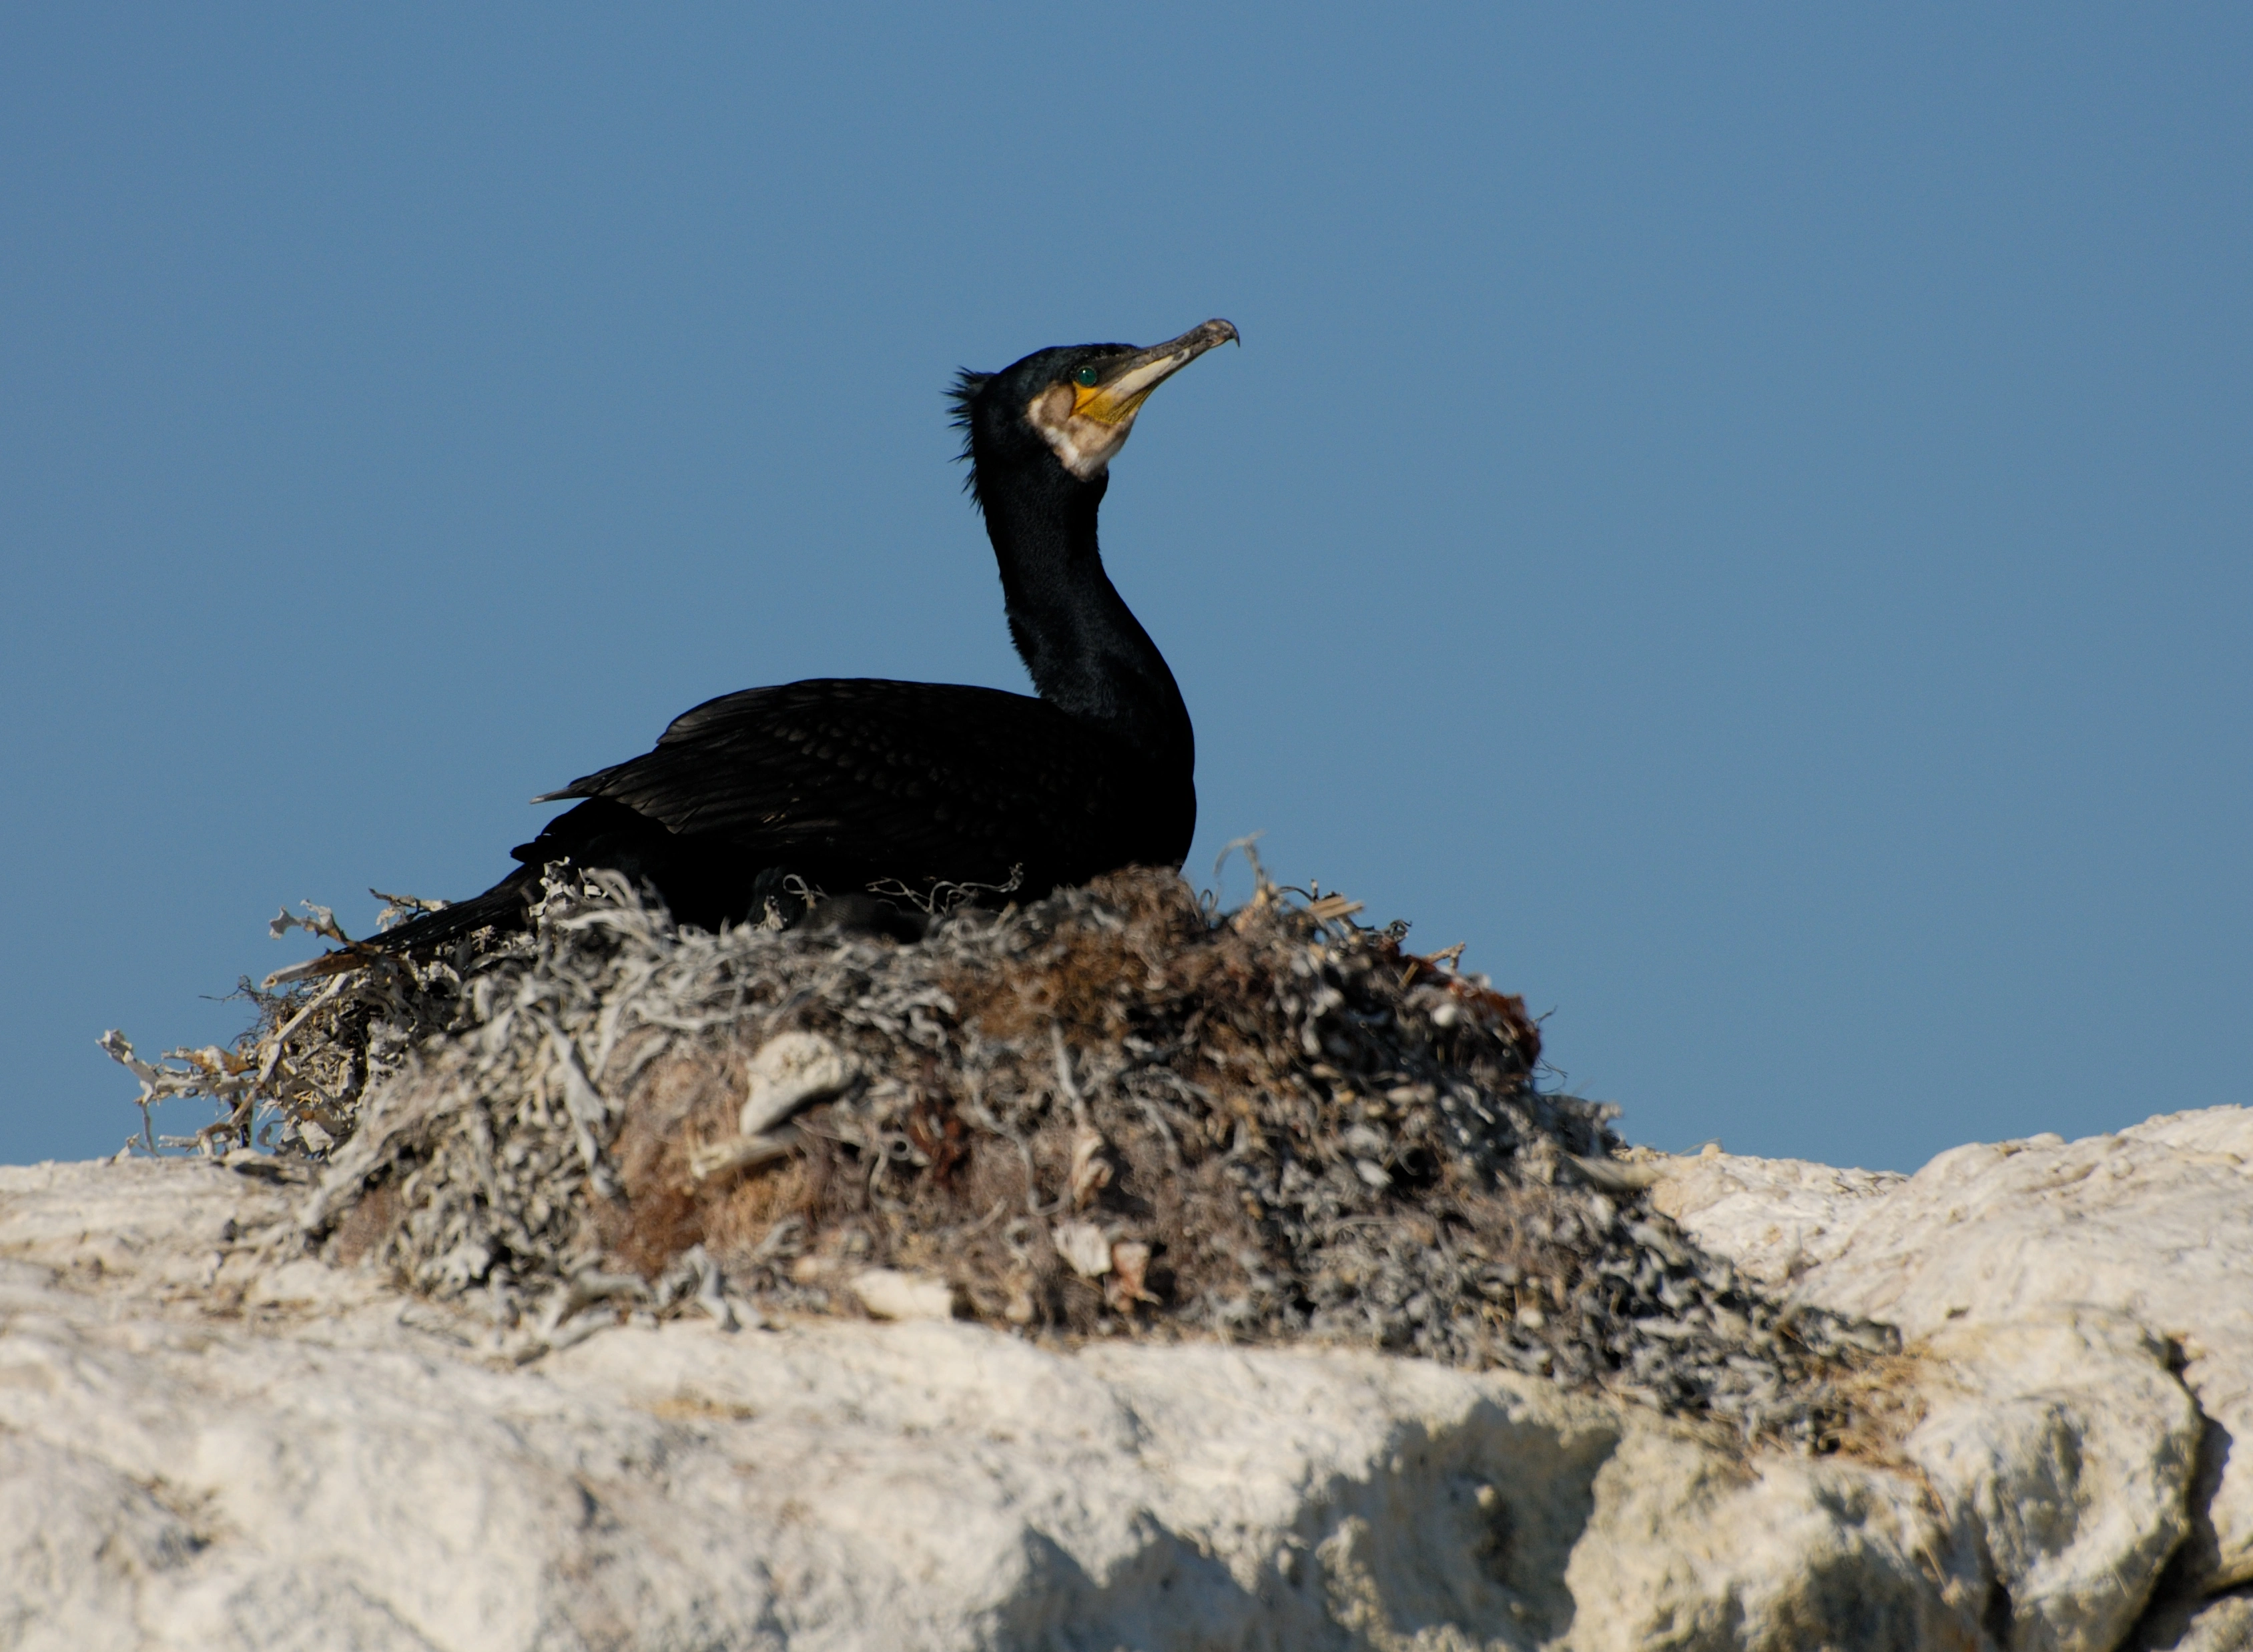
x: 1113, y: 1113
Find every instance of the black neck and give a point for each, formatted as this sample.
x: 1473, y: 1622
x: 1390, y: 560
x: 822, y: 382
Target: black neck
x: 1088, y: 654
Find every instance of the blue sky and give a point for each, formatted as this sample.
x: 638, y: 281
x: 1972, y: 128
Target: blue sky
x: 1739, y: 514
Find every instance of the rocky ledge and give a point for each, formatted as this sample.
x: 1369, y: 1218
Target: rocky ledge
x: 210, y: 1441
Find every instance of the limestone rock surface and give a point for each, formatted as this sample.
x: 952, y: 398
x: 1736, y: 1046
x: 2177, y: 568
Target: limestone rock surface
x: 207, y: 1444
x: 2151, y: 1229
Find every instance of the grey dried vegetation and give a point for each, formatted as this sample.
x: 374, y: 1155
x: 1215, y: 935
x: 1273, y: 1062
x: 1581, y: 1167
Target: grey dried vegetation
x: 1112, y: 1112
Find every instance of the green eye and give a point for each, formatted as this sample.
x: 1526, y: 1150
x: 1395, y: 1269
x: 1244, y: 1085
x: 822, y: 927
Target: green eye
x: 1085, y: 378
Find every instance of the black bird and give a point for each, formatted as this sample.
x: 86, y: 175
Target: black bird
x: 848, y: 783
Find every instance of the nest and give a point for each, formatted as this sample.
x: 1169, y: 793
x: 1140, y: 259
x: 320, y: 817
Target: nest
x: 1112, y: 1112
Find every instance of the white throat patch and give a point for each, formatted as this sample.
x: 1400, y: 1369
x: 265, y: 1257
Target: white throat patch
x: 1083, y: 445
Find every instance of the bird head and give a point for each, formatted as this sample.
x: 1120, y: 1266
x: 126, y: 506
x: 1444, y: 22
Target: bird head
x: 1073, y: 405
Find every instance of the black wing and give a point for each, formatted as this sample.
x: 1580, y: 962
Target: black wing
x: 916, y: 781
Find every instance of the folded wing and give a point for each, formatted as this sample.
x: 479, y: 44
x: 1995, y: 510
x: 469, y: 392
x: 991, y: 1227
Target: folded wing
x: 914, y: 781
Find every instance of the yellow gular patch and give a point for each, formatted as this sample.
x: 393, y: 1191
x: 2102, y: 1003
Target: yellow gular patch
x: 1104, y: 403
x: 1083, y: 445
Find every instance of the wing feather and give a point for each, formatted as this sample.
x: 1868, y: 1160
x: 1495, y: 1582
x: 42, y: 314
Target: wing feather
x: 932, y: 778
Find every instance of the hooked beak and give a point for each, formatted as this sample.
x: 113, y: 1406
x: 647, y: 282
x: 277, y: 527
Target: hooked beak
x: 1127, y: 384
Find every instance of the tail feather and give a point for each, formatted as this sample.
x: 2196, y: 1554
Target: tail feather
x: 502, y: 906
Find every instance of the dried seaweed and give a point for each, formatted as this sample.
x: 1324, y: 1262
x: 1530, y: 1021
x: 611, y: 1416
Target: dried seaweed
x: 1112, y: 1112
x: 294, y: 1081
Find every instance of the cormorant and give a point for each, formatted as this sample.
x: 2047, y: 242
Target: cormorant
x: 847, y: 782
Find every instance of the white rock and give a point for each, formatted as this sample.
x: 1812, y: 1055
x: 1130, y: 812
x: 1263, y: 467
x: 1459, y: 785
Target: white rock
x: 890, y: 1294
x: 1692, y: 1552
x: 201, y: 1448
x: 791, y: 1071
x: 1775, y: 1218
x: 2215, y: 1626
x: 2154, y: 1224
x: 1085, y: 1247
x: 2065, y: 1448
